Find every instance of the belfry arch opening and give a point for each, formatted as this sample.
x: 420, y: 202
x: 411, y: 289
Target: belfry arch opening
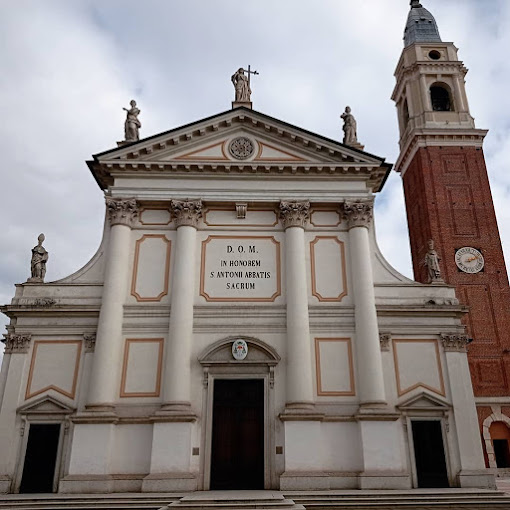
x: 441, y: 98
x: 405, y: 113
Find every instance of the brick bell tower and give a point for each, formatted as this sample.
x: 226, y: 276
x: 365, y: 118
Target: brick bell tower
x: 448, y: 199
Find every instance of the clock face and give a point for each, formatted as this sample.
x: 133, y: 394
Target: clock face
x: 469, y: 260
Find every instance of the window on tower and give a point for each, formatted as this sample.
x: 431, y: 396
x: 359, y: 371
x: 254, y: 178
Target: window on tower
x: 405, y: 114
x: 441, y: 98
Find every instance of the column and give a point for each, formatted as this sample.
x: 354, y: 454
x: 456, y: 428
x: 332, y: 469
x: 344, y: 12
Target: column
x: 427, y: 106
x: 170, y: 468
x: 472, y: 466
x: 177, y: 378
x: 368, y: 349
x: 294, y: 216
x: 103, y: 390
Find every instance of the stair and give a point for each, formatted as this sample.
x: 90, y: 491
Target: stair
x: 234, y: 500
x: 117, y: 501
x: 416, y: 499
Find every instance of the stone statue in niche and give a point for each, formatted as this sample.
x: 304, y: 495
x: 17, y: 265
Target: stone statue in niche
x: 132, y: 124
x: 349, y: 127
x: 242, y: 85
x: 432, y: 264
x: 38, y: 262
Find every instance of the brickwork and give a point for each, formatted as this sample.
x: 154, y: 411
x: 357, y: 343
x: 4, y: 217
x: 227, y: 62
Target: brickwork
x: 448, y: 199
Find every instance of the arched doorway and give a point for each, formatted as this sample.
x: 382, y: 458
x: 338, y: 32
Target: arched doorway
x: 500, y: 437
x: 238, y: 396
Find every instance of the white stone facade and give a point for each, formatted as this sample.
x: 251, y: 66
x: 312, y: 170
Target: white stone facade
x: 202, y: 247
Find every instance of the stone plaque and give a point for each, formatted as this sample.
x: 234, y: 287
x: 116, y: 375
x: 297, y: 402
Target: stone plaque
x: 240, y: 268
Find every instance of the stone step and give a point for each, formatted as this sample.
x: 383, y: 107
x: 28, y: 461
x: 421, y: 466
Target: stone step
x: 124, y: 501
x: 238, y: 500
x: 416, y: 499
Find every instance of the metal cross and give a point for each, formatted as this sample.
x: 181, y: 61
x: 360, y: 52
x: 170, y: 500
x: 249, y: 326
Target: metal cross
x: 249, y: 71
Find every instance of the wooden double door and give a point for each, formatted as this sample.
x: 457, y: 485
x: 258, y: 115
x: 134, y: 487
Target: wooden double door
x: 237, y: 449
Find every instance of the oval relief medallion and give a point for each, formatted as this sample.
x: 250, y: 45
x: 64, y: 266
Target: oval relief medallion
x: 241, y: 147
x: 239, y: 350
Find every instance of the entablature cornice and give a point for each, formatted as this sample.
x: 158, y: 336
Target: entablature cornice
x: 416, y: 69
x: 374, y: 175
x: 438, y: 138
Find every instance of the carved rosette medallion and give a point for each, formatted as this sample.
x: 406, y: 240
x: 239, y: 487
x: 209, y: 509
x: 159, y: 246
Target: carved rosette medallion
x: 454, y: 342
x: 122, y: 211
x: 16, y: 343
x: 358, y: 213
x: 89, y: 342
x: 241, y: 147
x: 384, y: 340
x: 186, y: 212
x: 294, y: 214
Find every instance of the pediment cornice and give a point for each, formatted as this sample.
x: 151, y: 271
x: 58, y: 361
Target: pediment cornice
x: 281, y: 149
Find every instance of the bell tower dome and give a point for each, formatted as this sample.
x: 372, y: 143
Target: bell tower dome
x: 430, y: 92
x: 448, y: 197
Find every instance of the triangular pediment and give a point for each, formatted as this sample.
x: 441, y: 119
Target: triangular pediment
x: 45, y: 405
x: 240, y: 138
x: 424, y: 402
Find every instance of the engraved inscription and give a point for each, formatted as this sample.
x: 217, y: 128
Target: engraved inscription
x: 240, y: 268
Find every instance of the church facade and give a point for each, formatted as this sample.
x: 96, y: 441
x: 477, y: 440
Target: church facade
x: 238, y: 327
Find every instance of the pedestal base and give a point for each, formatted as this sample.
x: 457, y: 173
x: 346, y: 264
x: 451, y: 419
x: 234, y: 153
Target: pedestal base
x: 169, y: 482
x: 384, y: 481
x: 246, y: 104
x: 480, y: 479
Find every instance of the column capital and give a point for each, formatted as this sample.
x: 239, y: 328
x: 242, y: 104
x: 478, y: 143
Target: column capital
x: 122, y: 211
x: 186, y: 212
x: 294, y: 213
x: 454, y: 342
x: 358, y: 212
x: 16, y: 343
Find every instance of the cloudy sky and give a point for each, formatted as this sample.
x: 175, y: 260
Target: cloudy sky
x: 68, y: 68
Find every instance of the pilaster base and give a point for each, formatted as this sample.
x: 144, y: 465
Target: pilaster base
x: 300, y: 411
x: 5, y: 484
x: 480, y: 479
x: 175, y: 412
x: 169, y: 482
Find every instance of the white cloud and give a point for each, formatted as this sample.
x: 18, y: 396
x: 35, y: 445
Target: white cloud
x: 69, y: 67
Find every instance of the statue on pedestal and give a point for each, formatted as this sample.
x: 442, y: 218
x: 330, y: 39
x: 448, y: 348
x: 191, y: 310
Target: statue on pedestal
x: 38, y: 262
x: 349, y: 127
x: 132, y: 124
x: 432, y: 264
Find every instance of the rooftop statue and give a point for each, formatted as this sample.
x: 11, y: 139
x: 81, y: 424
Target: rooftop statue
x: 38, y: 262
x: 132, y: 124
x: 242, y: 85
x: 349, y: 127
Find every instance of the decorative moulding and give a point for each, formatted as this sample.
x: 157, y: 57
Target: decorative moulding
x: 343, y: 270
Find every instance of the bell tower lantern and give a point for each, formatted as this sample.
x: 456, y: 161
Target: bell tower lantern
x: 430, y: 90
x: 448, y: 196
